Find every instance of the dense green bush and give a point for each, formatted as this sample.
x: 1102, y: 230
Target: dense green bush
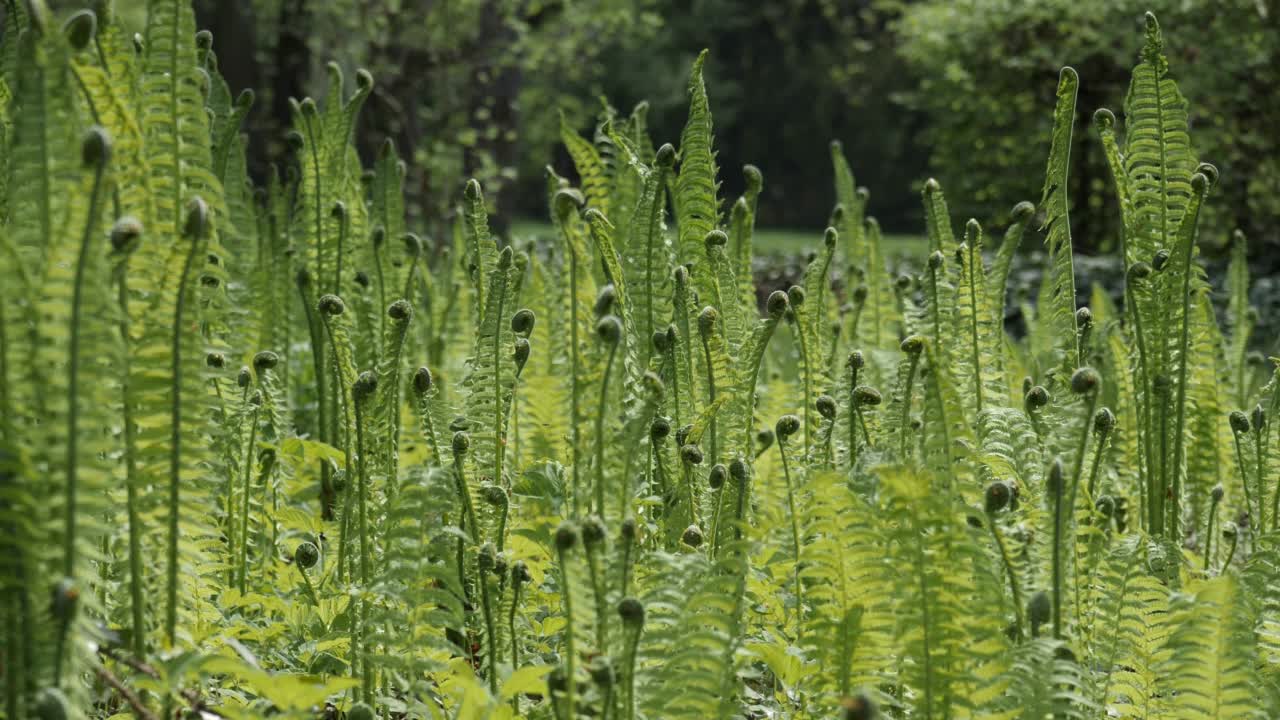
x: 983, y: 66
x: 266, y: 453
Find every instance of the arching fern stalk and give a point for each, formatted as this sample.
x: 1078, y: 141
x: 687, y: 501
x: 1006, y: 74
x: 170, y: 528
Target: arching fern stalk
x: 195, y: 232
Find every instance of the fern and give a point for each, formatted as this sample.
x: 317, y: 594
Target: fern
x: 697, y: 189
x: 1058, y: 292
x: 210, y: 506
x: 1158, y: 159
x: 1210, y: 670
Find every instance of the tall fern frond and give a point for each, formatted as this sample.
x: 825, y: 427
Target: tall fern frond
x: 850, y: 626
x: 1058, y: 290
x: 648, y: 260
x: 1158, y: 158
x: 1211, y: 668
x: 697, y: 189
x: 595, y: 181
x: 934, y: 583
x: 689, y: 660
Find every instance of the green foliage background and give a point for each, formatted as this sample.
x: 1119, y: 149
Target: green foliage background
x: 981, y: 66
x: 912, y: 88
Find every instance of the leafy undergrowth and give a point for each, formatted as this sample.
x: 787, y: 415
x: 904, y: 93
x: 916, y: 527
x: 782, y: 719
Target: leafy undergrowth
x: 268, y: 454
x: 769, y: 244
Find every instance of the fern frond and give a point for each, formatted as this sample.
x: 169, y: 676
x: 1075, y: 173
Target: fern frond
x: 591, y: 169
x: 1211, y: 666
x: 1058, y: 290
x: 696, y: 196
x: 648, y: 260
x: 1158, y: 158
x: 689, y: 659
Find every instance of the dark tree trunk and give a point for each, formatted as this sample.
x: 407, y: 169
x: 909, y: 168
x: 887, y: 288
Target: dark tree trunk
x: 497, y: 88
x: 235, y: 27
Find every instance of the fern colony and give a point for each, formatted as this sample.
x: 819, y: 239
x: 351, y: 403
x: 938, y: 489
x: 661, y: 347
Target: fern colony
x: 267, y: 453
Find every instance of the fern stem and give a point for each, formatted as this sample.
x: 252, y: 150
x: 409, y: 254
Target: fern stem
x: 344, y: 525
x: 1208, y: 535
x: 136, y: 607
x: 328, y: 499
x: 600, y: 440
x: 675, y: 378
x: 465, y: 590
x: 446, y: 323
x: 1162, y: 397
x: 311, y: 588
x: 826, y: 432
x: 1095, y: 470
x: 835, y: 348
x: 926, y: 656
x: 711, y: 395
x: 904, y: 428
x: 858, y: 307
x: 242, y: 559
x: 196, y: 226
x: 607, y: 703
x: 575, y: 364
x: 486, y: 603
x: 332, y: 309
x: 629, y: 687
x: 1081, y: 449
x: 976, y: 356
x: 468, y: 514
x: 1091, y: 403
x: 314, y: 147
x: 598, y: 592
x: 382, y: 288
x: 1262, y: 483
x: 1015, y: 588
x: 690, y: 490
x: 854, y: 416
x: 499, y: 407
x: 795, y: 537
x: 1244, y: 477
x: 362, y: 394
x: 266, y: 464
x: 344, y: 225
x: 73, y: 363
x: 627, y: 560
x: 935, y: 311
x: 389, y: 404
x: 807, y: 379
x: 229, y: 500
x: 570, y: 651
x: 1057, y: 491
x: 664, y: 492
x: 1199, y: 185
x: 1145, y: 406
x: 715, y: 522
x: 739, y: 471
x: 1235, y: 540
x: 501, y: 531
x: 516, y: 586
x: 684, y: 339
x: 424, y: 389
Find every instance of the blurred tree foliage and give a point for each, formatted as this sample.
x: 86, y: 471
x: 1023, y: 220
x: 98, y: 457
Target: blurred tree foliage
x: 787, y: 77
x: 986, y: 71
x: 473, y: 87
x: 465, y: 88
x: 960, y: 89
